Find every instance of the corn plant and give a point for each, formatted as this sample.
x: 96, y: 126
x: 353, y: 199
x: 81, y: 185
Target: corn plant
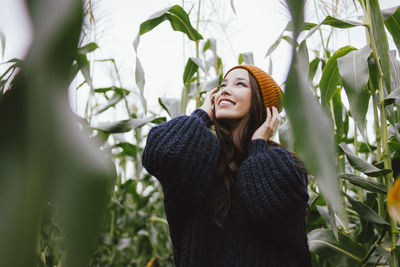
x: 355, y: 229
x: 47, y: 158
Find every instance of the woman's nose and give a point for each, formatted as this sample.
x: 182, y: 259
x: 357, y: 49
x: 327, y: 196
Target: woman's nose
x: 225, y: 90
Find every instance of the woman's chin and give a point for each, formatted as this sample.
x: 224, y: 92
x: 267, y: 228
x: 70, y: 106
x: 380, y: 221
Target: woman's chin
x: 227, y: 115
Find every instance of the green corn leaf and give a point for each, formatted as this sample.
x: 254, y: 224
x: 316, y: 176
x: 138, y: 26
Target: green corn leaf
x: 111, y: 103
x: 381, y: 41
x: 394, y: 145
x: 207, y: 45
x: 137, y: 123
x: 394, y: 69
x: 366, y: 212
x: 342, y: 252
x: 365, y: 148
x: 118, y: 90
x: 200, y: 64
x: 392, y: 97
x: 90, y: 47
x: 122, y: 126
x: 17, y: 63
x: 84, y: 66
x: 373, y: 74
x: 178, y: 19
x: 392, y: 22
x: 339, y: 113
x: 171, y: 105
x: 360, y: 164
x: 164, y: 107
x: 330, y: 75
x: 364, y: 183
x: 6, y: 84
x: 334, y: 22
x: 275, y: 44
x: 190, y: 69
x: 338, y: 23
x: 312, y: 130
x: 313, y: 68
x: 290, y: 40
x: 353, y: 69
x: 304, y: 27
x: 247, y: 58
x: 159, y: 120
x: 128, y: 149
x: 211, y: 44
x: 395, y: 80
x: 204, y: 87
x: 140, y: 81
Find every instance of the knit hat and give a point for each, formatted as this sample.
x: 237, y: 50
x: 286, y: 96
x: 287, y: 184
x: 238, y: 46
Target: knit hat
x: 270, y: 90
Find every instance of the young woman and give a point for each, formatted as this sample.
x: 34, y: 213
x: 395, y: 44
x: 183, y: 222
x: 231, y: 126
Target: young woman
x: 235, y: 198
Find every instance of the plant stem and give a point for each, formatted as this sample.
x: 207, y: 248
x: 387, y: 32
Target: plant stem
x: 359, y: 190
x: 340, y: 170
x: 384, y: 130
x: 198, y: 57
x: 381, y: 199
x: 341, y: 167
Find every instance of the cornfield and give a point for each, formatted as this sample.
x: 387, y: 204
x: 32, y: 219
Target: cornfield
x: 73, y: 191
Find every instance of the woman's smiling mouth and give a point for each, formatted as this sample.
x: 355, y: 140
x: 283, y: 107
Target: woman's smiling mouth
x: 223, y: 102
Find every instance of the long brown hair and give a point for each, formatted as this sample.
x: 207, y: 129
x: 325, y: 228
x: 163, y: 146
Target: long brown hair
x: 234, y: 137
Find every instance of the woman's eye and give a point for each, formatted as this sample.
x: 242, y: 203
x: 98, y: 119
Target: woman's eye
x: 222, y: 85
x: 242, y: 84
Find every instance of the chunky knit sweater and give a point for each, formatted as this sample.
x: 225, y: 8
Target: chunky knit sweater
x: 265, y: 225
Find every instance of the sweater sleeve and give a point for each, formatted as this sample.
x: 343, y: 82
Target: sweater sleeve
x: 273, y: 188
x: 182, y: 153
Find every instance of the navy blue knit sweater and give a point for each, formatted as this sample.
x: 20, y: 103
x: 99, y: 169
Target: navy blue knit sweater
x: 265, y: 225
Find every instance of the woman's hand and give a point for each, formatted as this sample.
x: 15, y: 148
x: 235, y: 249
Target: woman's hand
x: 267, y: 129
x: 208, y: 104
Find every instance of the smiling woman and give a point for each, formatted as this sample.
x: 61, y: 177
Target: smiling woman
x: 237, y: 198
x: 234, y: 98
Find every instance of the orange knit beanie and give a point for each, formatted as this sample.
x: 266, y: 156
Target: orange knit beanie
x: 270, y: 90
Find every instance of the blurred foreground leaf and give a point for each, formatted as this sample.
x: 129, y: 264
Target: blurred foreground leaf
x: 2, y: 43
x: 44, y: 155
x: 313, y: 132
x: 312, y: 129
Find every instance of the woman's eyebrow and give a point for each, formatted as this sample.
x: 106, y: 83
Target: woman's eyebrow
x: 242, y: 79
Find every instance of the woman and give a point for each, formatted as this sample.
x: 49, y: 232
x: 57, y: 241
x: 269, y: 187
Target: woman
x: 235, y: 198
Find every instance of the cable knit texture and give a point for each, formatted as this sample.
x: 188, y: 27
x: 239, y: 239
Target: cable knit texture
x: 265, y: 225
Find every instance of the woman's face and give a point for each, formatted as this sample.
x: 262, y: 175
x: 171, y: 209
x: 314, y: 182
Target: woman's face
x: 233, y: 99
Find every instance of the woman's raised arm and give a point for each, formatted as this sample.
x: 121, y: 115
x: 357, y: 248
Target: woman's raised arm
x: 182, y: 153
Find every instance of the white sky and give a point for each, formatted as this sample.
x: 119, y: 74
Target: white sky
x: 255, y: 27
